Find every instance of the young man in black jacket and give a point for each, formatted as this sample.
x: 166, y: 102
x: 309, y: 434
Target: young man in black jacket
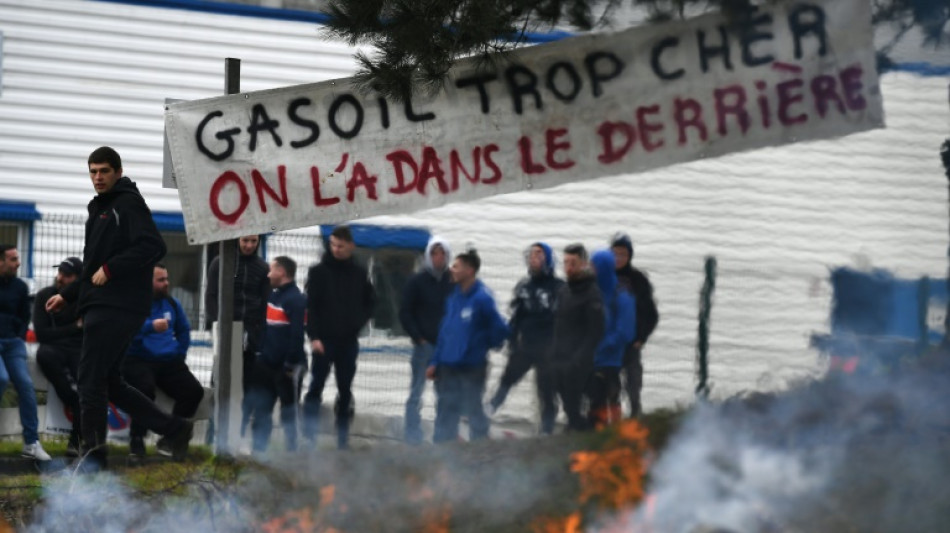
x: 60, y: 340
x: 637, y: 283
x: 114, y: 291
x: 280, y: 357
x: 532, y: 330
x: 420, y: 312
x: 340, y: 301
x: 251, y: 291
x: 579, y: 324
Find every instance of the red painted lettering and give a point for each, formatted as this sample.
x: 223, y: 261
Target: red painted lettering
x: 490, y: 163
x: 431, y: 169
x: 261, y: 186
x: 788, y: 95
x: 214, y: 201
x: 607, y: 130
x: 824, y: 89
x: 552, y: 147
x: 399, y: 158
x: 851, y: 85
x: 688, y: 113
x: 319, y: 200
x: 647, y: 128
x: 528, y: 166
x: 765, y: 110
x: 736, y: 107
x: 456, y: 167
x: 361, y: 178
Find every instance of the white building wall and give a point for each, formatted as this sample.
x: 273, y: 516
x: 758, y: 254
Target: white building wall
x: 79, y: 74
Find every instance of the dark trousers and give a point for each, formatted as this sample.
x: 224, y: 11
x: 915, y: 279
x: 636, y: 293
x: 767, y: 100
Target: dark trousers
x: 570, y: 383
x: 459, y: 392
x: 60, y: 366
x: 107, y: 333
x: 252, y: 335
x: 266, y: 386
x: 519, y: 363
x: 603, y: 389
x: 169, y: 376
x: 341, y: 355
x: 633, y: 378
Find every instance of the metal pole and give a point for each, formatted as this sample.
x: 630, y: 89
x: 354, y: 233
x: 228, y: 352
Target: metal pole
x: 227, y: 256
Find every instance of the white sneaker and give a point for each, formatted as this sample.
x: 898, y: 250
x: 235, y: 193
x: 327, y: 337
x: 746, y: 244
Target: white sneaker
x: 35, y: 451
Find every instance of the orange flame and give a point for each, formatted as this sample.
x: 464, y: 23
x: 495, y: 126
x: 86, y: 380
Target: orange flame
x: 304, y: 520
x: 568, y: 524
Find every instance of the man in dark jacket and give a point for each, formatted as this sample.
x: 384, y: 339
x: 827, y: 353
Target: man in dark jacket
x: 251, y: 290
x: 532, y: 330
x: 578, y: 330
x: 340, y: 301
x: 647, y: 316
x: 281, y: 356
x: 420, y: 312
x: 471, y: 326
x: 156, y: 360
x: 114, y: 292
x: 60, y: 340
x: 14, y: 320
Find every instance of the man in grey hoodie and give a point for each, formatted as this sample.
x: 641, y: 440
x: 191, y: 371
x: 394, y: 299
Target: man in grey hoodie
x: 420, y: 312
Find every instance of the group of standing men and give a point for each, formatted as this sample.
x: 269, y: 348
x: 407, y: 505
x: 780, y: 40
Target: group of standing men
x: 579, y: 336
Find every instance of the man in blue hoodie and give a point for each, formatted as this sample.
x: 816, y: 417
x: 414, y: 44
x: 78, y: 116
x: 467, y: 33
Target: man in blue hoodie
x: 420, y: 312
x: 281, y: 357
x: 532, y: 331
x: 156, y: 360
x: 603, y: 388
x: 471, y: 326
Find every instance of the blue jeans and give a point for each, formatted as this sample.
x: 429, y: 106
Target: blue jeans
x: 14, y: 369
x: 459, y: 392
x: 421, y: 354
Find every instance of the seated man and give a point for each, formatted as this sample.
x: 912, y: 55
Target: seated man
x: 156, y: 358
x: 60, y: 337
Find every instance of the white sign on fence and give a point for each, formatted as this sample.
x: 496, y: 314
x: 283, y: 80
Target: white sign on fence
x: 577, y: 109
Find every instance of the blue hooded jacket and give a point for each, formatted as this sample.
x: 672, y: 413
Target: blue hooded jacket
x: 471, y: 326
x: 168, y: 345
x: 620, y: 308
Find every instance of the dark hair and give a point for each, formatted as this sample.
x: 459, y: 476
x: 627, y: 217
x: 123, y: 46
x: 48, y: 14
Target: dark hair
x: 161, y: 266
x: 104, y: 154
x: 288, y: 264
x: 4, y: 248
x: 343, y: 233
x: 470, y: 258
x: 576, y: 249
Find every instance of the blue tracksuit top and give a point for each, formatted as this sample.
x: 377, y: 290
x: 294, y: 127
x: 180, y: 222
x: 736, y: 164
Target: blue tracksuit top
x: 620, y: 307
x: 168, y: 345
x: 470, y: 327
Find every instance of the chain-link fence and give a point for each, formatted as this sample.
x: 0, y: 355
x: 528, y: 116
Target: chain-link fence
x: 383, y: 377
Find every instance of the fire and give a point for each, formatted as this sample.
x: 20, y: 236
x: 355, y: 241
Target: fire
x: 305, y: 520
x: 610, y: 479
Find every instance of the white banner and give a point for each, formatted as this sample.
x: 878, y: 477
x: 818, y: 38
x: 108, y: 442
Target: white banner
x: 577, y: 109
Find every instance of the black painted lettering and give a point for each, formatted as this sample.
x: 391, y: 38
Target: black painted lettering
x: 657, y: 51
x: 261, y: 121
x: 522, y: 81
x: 805, y: 20
x: 749, y: 34
x: 707, y: 52
x: 411, y: 114
x: 598, y: 75
x: 301, y: 121
x: 226, y: 136
x: 357, y: 121
x: 479, y: 83
x: 574, y: 81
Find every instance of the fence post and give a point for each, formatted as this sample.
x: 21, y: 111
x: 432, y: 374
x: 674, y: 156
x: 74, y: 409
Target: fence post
x: 227, y: 256
x: 702, y: 342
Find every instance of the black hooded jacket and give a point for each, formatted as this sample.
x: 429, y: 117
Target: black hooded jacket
x: 579, y: 324
x: 251, y: 291
x: 122, y: 239
x: 532, y: 312
x: 639, y: 285
x: 56, y: 329
x: 340, y: 299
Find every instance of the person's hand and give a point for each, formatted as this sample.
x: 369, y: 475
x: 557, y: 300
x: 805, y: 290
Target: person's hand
x: 79, y: 323
x: 638, y: 345
x: 99, y: 278
x: 55, y: 303
x: 317, y: 347
x: 160, y: 325
x: 430, y: 372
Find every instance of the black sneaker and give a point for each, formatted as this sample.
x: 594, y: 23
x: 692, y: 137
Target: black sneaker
x: 177, y: 447
x: 73, y: 448
x: 163, y: 447
x: 136, y: 451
